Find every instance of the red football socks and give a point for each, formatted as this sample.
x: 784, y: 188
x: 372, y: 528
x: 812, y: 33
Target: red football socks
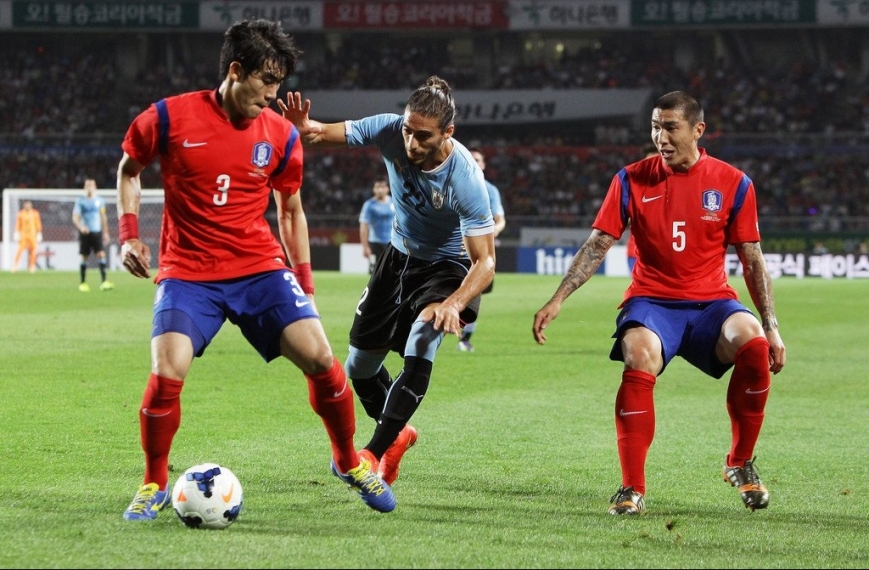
x: 746, y: 398
x: 332, y: 399
x: 159, y: 419
x: 635, y: 426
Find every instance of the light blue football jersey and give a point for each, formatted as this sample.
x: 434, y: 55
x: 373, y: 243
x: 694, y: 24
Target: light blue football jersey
x: 90, y: 211
x: 495, y: 199
x: 379, y: 216
x: 433, y: 210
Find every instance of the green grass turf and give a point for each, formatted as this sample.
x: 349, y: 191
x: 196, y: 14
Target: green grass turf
x: 514, y: 467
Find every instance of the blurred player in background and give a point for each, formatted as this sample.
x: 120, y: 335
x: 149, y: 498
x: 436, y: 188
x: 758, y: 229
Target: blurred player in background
x: 89, y: 217
x: 427, y: 284
x: 223, y: 153
x: 500, y: 222
x: 649, y: 150
x: 375, y: 222
x: 686, y: 208
x: 28, y: 234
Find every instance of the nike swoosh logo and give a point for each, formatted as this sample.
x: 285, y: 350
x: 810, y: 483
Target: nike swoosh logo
x: 302, y: 303
x: 338, y: 394
x: 228, y: 496
x: 645, y: 199
x: 750, y: 391
x: 150, y: 415
x: 188, y: 144
x: 623, y: 413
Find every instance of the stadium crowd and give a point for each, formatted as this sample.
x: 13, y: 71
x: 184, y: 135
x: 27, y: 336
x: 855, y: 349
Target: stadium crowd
x: 55, y: 137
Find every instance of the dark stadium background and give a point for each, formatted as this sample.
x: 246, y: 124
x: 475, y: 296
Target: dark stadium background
x: 784, y: 85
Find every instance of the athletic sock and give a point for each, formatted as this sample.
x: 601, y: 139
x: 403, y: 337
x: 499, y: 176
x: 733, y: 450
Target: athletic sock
x: 635, y: 426
x: 747, y: 394
x: 404, y: 398
x: 372, y: 392
x: 160, y: 417
x: 331, y: 398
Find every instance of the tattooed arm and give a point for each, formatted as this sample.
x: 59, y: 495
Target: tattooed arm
x: 585, y: 263
x: 759, y: 285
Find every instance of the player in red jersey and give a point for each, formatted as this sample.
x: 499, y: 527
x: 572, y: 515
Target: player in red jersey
x: 222, y: 154
x: 685, y: 209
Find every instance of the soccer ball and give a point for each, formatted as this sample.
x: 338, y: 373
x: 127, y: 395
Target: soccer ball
x: 207, y: 496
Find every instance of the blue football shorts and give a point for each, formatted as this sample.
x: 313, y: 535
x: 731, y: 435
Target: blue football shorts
x: 689, y: 329
x: 261, y: 305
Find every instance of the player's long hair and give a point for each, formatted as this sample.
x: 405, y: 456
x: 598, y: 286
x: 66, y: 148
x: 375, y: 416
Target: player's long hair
x: 681, y: 101
x: 434, y: 99
x: 257, y: 44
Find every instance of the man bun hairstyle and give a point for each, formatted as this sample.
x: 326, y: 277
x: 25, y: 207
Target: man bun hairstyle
x: 434, y: 99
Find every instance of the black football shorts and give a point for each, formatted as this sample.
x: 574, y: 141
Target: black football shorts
x: 398, y: 290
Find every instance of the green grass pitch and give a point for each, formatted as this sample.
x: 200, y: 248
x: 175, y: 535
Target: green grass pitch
x: 515, y: 463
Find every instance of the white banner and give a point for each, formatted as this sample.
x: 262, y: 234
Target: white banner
x: 5, y: 14
x: 843, y: 12
x: 489, y: 107
x: 799, y: 265
x: 352, y: 260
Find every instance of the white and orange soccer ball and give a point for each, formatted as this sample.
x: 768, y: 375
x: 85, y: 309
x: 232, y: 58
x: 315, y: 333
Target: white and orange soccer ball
x: 207, y: 496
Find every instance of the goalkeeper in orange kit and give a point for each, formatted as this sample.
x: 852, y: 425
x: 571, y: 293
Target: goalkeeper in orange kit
x: 28, y: 234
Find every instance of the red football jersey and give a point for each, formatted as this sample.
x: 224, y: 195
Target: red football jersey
x: 217, y: 179
x: 682, y: 224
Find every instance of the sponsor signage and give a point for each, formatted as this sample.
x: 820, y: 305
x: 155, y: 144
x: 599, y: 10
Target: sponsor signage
x: 800, y: 265
x: 5, y: 14
x: 477, y: 107
x: 433, y: 14
x: 113, y: 15
x: 569, y: 15
x: 557, y: 260
x: 218, y: 15
x: 843, y: 12
x: 674, y: 13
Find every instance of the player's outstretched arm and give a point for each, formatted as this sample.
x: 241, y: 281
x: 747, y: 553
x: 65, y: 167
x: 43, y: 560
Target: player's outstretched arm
x: 585, y: 263
x: 759, y: 284
x: 313, y: 133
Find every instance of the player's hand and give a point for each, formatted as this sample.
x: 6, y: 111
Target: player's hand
x: 443, y: 316
x: 542, y: 318
x: 777, y: 356
x: 38, y: 237
x: 296, y: 111
x: 136, y: 257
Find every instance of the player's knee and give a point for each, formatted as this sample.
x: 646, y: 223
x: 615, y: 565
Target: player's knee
x: 319, y: 361
x: 643, y: 358
x: 754, y: 354
x: 362, y: 363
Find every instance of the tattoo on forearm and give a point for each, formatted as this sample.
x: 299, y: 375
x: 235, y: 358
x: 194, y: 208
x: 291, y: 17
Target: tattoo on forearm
x: 759, y: 283
x: 585, y: 263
